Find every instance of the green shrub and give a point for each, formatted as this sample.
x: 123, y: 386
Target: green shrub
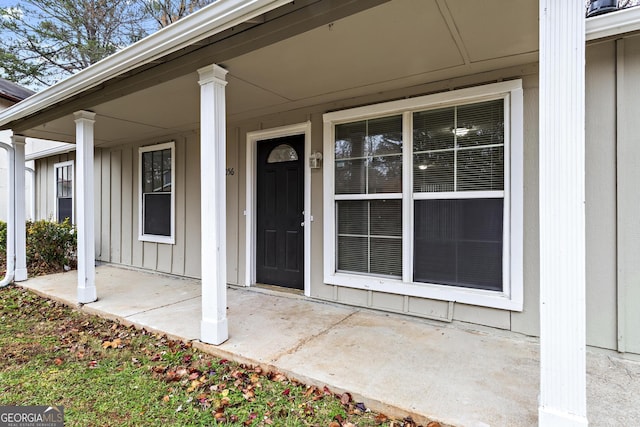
x: 51, y: 246
x: 3, y: 237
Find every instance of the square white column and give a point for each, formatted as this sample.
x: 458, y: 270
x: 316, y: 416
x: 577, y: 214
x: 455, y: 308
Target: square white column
x: 562, y: 214
x: 213, y: 200
x: 18, y: 142
x: 85, y: 207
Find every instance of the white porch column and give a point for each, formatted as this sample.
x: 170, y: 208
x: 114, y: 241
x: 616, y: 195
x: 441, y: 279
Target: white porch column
x: 84, y: 207
x: 213, y: 201
x: 562, y: 214
x: 18, y: 142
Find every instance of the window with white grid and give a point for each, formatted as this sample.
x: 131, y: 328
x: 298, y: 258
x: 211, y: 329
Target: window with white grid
x: 420, y: 196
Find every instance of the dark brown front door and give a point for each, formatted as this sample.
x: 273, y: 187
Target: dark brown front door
x: 280, y: 205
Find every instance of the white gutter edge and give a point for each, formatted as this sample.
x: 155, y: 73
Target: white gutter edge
x: 213, y: 19
x: 210, y: 20
x: 63, y: 149
x: 612, y: 24
x: 11, y: 217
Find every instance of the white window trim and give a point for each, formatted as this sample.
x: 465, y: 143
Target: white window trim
x: 511, y: 298
x: 250, y: 211
x: 152, y: 237
x: 57, y: 166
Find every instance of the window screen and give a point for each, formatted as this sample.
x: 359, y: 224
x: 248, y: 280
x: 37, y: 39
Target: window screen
x: 64, y: 191
x: 459, y: 242
x: 157, y: 187
x: 458, y: 237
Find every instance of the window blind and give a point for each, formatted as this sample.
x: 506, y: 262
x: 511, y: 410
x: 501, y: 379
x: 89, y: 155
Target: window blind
x: 368, y: 160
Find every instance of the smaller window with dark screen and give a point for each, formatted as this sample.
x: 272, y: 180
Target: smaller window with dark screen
x: 64, y: 191
x: 157, y: 194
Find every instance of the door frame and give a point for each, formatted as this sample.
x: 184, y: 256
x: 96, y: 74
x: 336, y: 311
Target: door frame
x: 253, y: 138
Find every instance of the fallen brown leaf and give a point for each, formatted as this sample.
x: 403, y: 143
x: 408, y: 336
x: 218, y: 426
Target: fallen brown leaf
x: 310, y: 390
x: 408, y: 422
x: 279, y: 377
x: 112, y: 344
x: 219, y: 416
x: 195, y: 384
x: 381, y: 418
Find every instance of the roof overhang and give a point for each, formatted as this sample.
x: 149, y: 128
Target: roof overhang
x: 613, y: 24
x: 284, y: 56
x: 209, y: 21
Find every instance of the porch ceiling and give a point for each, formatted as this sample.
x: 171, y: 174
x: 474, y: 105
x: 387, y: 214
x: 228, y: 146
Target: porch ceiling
x: 398, y: 44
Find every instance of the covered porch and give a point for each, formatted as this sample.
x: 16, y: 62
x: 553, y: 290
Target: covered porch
x: 202, y: 87
x: 459, y: 374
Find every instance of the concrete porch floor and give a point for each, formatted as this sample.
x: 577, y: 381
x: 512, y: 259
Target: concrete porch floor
x: 458, y: 374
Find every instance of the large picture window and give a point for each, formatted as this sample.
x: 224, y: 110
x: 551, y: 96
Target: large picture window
x: 157, y: 193
x: 424, y: 196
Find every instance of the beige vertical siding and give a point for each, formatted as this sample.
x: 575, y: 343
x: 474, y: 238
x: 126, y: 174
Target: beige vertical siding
x: 115, y: 236
x: 127, y: 216
x: 117, y: 193
x: 192, y: 260
x: 628, y: 196
x: 45, y: 178
x: 117, y: 202
x: 525, y: 322
x: 601, y: 194
x: 528, y: 321
x: 233, y: 213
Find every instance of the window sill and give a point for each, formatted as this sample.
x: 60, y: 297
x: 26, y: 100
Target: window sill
x: 169, y: 240
x: 479, y: 297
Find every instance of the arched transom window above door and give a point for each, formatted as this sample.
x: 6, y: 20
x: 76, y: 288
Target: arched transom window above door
x: 282, y: 153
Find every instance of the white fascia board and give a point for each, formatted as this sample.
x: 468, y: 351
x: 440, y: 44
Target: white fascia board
x: 208, y: 21
x: 67, y: 148
x: 612, y: 24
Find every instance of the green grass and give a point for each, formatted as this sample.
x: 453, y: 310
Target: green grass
x: 107, y: 374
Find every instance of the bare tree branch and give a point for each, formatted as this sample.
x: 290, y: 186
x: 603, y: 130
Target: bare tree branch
x: 44, y: 41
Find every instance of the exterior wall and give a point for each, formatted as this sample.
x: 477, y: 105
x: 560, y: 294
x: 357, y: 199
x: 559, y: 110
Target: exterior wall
x: 117, y: 200
x: 45, y: 198
x: 628, y: 196
x: 607, y: 278
x: 117, y: 204
x: 611, y: 270
x: 612, y: 199
x: 600, y: 154
x: 524, y: 322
